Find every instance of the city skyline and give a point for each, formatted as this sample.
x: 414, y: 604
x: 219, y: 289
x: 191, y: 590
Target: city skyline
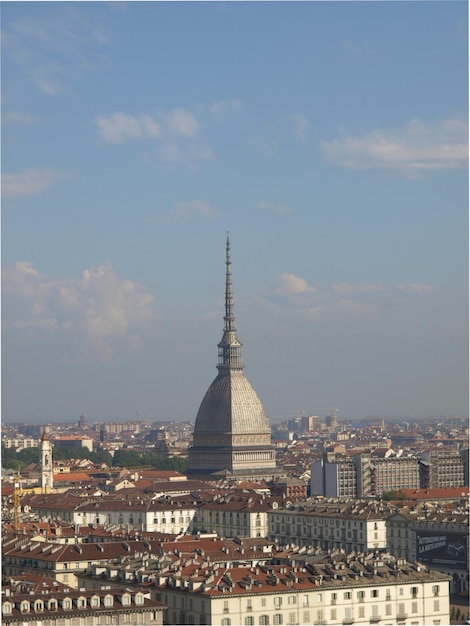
x: 329, y: 139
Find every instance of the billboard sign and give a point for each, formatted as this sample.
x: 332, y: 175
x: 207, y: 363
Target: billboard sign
x: 442, y: 549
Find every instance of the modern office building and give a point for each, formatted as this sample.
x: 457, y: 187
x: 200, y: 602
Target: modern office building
x: 442, y: 469
x: 232, y: 436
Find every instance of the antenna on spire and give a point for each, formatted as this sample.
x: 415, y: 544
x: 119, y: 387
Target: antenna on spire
x: 230, y: 356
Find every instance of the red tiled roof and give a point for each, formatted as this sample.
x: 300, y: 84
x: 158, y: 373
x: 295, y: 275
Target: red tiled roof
x: 436, y: 493
x: 71, y: 477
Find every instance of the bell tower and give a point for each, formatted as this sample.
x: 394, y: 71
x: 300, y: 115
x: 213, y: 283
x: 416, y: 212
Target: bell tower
x: 47, y: 475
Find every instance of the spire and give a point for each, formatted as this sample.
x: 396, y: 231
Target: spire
x: 230, y: 349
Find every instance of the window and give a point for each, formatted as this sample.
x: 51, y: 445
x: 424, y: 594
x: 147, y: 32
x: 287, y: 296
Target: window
x: 67, y: 604
x: 306, y: 617
x: 319, y: 615
x: 264, y: 620
x: 414, y: 607
x: 401, y: 609
x: 333, y: 615
x: 347, y: 595
x: 435, y: 590
x: 263, y: 601
x: 225, y: 606
x: 388, y: 609
x: 278, y: 618
x: 25, y: 607
x: 277, y: 602
x: 436, y: 605
x: 126, y: 600
x: 291, y: 618
x: 362, y: 611
x: 374, y: 593
x: 334, y: 597
x: 361, y: 595
x: 375, y: 610
x: 226, y: 621
x: 6, y: 608
x: 249, y: 621
x: 305, y: 600
x: 139, y: 598
x: 248, y: 605
x: 414, y: 592
x: 292, y: 600
x: 95, y: 602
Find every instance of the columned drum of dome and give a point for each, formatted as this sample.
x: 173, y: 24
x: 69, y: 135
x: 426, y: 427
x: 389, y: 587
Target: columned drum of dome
x: 232, y: 436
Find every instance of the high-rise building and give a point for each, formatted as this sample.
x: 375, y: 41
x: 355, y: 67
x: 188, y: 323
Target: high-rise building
x: 232, y: 436
x: 47, y: 475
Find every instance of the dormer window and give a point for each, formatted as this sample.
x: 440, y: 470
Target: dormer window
x: 108, y: 600
x: 6, y: 608
x: 81, y: 602
x: 66, y: 603
x: 139, y: 598
x: 25, y: 607
x: 126, y: 600
x: 38, y: 605
x: 95, y: 602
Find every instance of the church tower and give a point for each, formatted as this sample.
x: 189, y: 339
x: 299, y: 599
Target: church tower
x: 232, y: 436
x: 47, y: 475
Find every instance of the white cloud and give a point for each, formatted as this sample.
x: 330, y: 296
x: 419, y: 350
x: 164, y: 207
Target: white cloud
x: 183, y: 122
x: 411, y: 151
x: 300, y: 124
x: 358, y: 288
x: 28, y: 182
x: 224, y: 107
x: 417, y: 288
x: 364, y: 300
x: 290, y: 284
x: 121, y: 127
x: 187, y: 211
x: 99, y: 308
x: 56, y: 48
x: 279, y: 209
x: 17, y: 118
x: 175, y: 130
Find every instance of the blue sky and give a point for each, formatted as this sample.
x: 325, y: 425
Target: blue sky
x: 329, y: 138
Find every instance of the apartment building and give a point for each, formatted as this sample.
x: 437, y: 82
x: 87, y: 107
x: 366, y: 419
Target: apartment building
x: 326, y: 589
x: 232, y: 515
x: 171, y: 515
x: 332, y: 524
x: 64, y: 562
x: 70, y: 607
x: 442, y: 469
x: 438, y: 539
x: 336, y: 478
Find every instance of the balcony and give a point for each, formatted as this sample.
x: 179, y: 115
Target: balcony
x: 375, y: 619
x: 401, y: 617
x: 348, y: 620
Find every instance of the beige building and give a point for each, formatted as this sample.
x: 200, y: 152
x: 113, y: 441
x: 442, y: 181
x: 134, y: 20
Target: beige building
x: 64, y: 562
x: 333, y: 591
x: 232, y: 515
x: 341, y: 525
x: 80, y: 608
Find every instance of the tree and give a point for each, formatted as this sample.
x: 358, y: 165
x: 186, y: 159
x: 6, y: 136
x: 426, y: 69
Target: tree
x: 394, y: 495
